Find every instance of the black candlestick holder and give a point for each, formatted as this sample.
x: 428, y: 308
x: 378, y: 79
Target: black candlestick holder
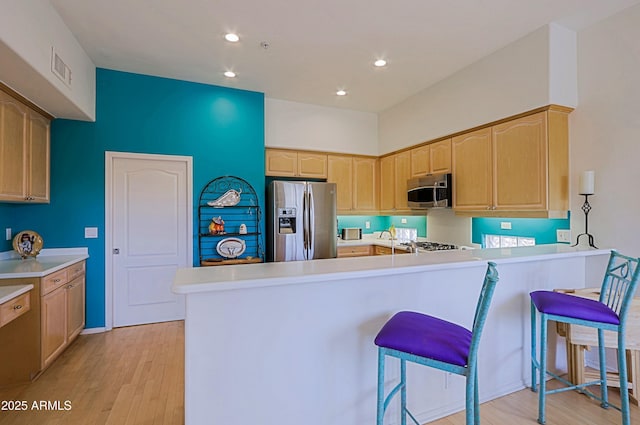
x: 586, y: 207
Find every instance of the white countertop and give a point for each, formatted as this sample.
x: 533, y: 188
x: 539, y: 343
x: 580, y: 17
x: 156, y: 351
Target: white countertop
x: 47, y: 262
x: 206, y: 279
x: 12, y: 291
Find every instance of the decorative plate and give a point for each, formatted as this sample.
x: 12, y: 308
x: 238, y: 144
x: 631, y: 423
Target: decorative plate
x: 231, y: 247
x: 27, y: 243
x: 230, y: 198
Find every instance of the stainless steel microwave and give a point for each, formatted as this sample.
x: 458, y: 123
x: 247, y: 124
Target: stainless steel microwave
x: 430, y: 191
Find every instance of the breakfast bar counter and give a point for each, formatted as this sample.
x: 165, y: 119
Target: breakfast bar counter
x: 292, y: 343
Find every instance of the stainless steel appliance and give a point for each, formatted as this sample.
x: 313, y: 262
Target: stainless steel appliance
x: 430, y: 191
x: 301, y: 221
x: 351, y: 233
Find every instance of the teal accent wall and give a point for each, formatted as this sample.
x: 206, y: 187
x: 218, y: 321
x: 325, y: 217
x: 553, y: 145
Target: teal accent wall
x: 543, y: 230
x: 221, y: 128
x: 6, y: 220
x: 380, y: 223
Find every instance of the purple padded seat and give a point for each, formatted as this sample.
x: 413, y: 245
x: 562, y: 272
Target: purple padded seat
x: 566, y: 305
x: 426, y: 336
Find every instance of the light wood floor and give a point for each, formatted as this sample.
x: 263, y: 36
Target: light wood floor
x: 131, y: 375
x: 135, y: 375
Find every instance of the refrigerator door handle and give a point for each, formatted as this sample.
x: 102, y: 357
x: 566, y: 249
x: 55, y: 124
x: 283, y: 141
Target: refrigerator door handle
x: 305, y: 225
x: 310, y: 224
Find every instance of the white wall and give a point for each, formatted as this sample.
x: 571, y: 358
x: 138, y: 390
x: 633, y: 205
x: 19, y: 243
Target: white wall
x: 28, y: 30
x: 303, y: 126
x: 605, y: 131
x: 522, y: 76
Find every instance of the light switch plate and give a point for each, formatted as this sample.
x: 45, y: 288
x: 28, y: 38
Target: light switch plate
x: 90, y: 232
x: 367, y: 225
x: 505, y: 225
x: 8, y: 233
x: 563, y: 235
x: 403, y: 220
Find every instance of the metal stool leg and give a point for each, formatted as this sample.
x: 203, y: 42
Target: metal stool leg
x: 534, y: 371
x: 380, y: 408
x: 476, y: 400
x: 403, y: 392
x: 543, y: 369
x: 604, y: 392
x: 624, y: 386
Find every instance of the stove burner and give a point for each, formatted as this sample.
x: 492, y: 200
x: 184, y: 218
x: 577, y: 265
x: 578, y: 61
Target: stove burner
x: 433, y: 246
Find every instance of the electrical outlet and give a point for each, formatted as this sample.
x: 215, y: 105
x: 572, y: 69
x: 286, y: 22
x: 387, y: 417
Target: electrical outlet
x: 8, y: 233
x: 367, y: 225
x: 563, y: 235
x: 403, y: 220
x: 505, y: 225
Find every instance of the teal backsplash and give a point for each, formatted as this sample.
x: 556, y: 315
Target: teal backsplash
x: 542, y: 229
x: 380, y: 223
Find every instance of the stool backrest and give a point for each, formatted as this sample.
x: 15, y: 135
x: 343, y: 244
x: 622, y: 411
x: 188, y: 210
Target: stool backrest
x: 482, y: 309
x: 620, y: 282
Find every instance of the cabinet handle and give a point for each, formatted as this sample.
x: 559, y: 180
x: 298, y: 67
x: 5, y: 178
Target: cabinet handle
x: 69, y: 286
x: 17, y: 307
x: 56, y: 280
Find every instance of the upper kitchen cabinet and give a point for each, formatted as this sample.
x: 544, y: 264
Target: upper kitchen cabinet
x: 289, y: 163
x: 395, y: 170
x: 517, y: 168
x: 431, y: 159
x: 356, y: 179
x: 24, y: 152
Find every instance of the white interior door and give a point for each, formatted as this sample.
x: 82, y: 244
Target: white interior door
x: 150, y: 236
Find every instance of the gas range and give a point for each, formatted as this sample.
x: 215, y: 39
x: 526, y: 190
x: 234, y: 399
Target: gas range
x: 432, y: 246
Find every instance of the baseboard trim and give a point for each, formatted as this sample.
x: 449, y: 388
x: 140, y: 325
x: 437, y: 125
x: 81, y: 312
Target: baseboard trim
x: 90, y: 331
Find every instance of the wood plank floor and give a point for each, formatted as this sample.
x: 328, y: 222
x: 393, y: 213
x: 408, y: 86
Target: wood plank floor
x: 132, y: 375
x: 135, y: 375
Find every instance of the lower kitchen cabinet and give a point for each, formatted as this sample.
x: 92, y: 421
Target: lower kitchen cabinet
x: 63, y: 310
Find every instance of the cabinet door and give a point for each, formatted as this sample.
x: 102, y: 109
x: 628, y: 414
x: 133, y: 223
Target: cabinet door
x: 54, y: 325
x: 519, y: 164
x: 472, y: 175
x: 420, y: 161
x: 281, y: 163
x: 402, y: 174
x: 13, y: 155
x: 365, y: 184
x: 387, y: 182
x: 440, y: 156
x: 312, y: 165
x: 75, y: 307
x: 38, y: 156
x: 340, y: 172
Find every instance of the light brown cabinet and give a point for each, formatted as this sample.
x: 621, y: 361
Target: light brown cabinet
x: 394, y: 173
x: 289, y: 163
x: 24, y: 152
x: 517, y: 168
x: 63, y: 310
x: 356, y: 180
x: 432, y: 158
x: 14, y: 308
x: 355, y: 251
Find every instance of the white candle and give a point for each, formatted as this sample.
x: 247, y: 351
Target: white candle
x: 587, y: 179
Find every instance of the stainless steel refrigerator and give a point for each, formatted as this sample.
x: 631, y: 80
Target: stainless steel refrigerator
x: 301, y: 221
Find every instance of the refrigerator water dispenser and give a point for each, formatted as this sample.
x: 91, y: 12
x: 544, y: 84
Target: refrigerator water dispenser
x: 286, y: 221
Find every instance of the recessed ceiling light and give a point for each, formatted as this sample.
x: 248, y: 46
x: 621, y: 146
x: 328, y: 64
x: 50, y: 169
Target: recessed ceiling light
x: 380, y: 63
x: 232, y: 37
x: 341, y: 93
x: 229, y: 74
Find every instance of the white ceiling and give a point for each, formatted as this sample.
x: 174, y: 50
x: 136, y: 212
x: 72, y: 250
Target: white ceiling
x: 315, y: 46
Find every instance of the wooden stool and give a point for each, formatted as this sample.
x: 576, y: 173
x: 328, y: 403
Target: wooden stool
x: 579, y: 338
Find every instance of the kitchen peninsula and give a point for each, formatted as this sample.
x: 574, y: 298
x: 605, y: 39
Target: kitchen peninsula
x: 291, y: 343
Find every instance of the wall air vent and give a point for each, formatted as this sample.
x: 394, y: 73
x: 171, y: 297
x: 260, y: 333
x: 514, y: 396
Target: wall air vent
x: 59, y: 68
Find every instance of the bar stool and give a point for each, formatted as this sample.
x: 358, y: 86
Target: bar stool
x: 609, y: 313
x: 433, y: 342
